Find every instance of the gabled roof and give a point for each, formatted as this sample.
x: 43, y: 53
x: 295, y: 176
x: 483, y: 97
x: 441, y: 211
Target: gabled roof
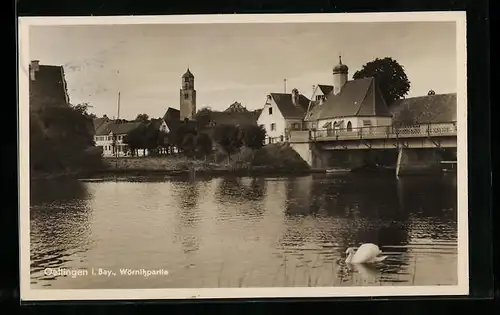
x: 287, y: 108
x: 49, y: 87
x: 425, y: 109
x: 325, y: 89
x: 172, y: 114
x: 236, y: 107
x: 117, y: 128
x: 360, y: 97
x: 97, y: 122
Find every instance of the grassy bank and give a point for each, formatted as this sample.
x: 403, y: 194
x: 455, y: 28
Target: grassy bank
x: 271, y: 159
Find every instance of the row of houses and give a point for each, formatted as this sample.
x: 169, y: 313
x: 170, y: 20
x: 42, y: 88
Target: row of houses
x: 346, y: 104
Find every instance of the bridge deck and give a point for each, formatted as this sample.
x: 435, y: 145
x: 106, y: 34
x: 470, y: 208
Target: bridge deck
x: 385, y: 132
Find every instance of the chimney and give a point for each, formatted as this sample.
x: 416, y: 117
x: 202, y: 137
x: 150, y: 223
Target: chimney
x: 295, y: 97
x: 34, y: 67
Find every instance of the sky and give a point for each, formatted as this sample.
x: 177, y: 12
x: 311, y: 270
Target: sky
x: 240, y: 62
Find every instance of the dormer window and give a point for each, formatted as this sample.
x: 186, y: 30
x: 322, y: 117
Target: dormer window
x: 319, y: 97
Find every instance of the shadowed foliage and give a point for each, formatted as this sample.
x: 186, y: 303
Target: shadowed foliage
x: 61, y: 140
x: 390, y: 75
x: 253, y: 136
x: 228, y: 137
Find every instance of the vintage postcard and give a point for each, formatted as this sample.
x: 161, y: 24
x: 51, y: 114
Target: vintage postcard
x: 243, y: 156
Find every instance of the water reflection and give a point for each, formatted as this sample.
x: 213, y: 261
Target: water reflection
x: 360, y: 210
x: 248, y: 231
x: 241, y: 190
x: 242, y: 195
x: 60, y: 226
x: 188, y: 217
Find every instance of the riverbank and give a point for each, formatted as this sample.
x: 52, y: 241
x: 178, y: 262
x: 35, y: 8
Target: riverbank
x: 181, y: 166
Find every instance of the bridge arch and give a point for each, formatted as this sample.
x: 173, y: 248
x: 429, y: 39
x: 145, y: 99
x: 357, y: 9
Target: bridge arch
x: 349, y: 126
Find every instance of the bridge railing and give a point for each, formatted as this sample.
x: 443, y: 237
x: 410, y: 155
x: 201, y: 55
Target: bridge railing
x: 379, y: 132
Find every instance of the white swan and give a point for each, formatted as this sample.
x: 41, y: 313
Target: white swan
x: 366, y: 253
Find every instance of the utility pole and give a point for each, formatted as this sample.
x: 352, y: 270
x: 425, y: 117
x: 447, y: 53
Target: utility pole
x: 115, y: 136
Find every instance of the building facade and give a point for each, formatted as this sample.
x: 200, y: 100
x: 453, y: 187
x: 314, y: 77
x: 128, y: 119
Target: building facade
x: 282, y: 112
x: 110, y: 135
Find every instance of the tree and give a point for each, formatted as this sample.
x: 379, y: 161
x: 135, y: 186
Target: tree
x: 142, y: 117
x: 228, y: 137
x: 390, y: 76
x: 253, y: 136
x: 151, y: 138
x: 203, y: 144
x: 204, y: 116
x: 180, y: 133
x: 135, y: 139
x: 189, y: 144
x: 82, y: 109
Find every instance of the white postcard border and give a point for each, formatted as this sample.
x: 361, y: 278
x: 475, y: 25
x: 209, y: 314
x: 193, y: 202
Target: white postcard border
x: 28, y: 294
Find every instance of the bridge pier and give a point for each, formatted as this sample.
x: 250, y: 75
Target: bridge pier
x: 417, y: 161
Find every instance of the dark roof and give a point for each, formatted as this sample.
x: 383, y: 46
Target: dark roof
x: 425, y: 109
x: 188, y: 74
x: 97, y: 122
x: 236, y: 107
x: 286, y: 106
x: 325, y: 89
x: 234, y: 118
x: 117, y: 128
x: 172, y: 117
x: 49, y: 87
x: 360, y: 97
x: 172, y: 114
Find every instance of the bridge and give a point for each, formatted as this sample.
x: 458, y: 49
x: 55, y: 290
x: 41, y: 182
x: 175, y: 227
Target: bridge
x: 432, y: 137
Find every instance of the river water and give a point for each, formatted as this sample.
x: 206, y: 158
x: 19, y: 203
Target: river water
x: 242, y: 232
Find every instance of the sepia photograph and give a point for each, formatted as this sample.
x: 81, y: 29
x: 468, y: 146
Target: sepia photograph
x: 243, y: 156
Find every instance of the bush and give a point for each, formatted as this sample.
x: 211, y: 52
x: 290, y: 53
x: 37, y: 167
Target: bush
x: 61, y: 141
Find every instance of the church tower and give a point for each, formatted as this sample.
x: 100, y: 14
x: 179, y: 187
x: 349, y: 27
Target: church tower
x: 187, y: 97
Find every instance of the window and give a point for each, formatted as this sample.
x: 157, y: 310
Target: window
x: 296, y: 126
x: 367, y: 123
x: 318, y: 97
x: 349, y: 126
x: 273, y: 126
x: 186, y: 96
x: 270, y: 110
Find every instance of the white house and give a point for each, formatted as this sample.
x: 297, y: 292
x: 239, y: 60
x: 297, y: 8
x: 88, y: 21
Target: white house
x: 110, y: 135
x: 282, y: 113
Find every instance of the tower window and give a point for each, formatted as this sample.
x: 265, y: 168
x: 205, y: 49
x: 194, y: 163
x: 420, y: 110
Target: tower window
x: 186, y: 96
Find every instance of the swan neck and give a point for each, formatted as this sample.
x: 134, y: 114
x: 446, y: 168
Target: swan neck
x: 349, y: 258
